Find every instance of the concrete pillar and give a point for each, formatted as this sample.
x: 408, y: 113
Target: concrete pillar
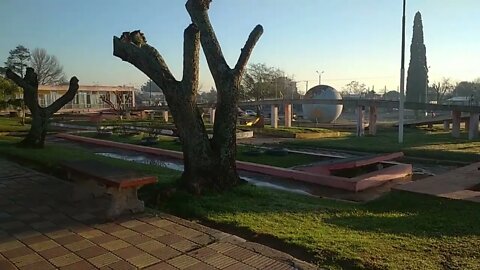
x: 467, y: 124
x: 288, y: 115
x: 133, y: 99
x: 446, y: 125
x: 360, y: 126
x: 372, y: 121
x: 473, y: 130
x: 165, y: 116
x: 274, y: 117
x: 456, y: 117
x: 212, y: 115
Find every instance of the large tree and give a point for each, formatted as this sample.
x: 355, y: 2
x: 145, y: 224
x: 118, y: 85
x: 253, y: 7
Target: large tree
x: 261, y: 81
x: 354, y: 87
x: 18, y: 59
x: 209, y: 163
x: 47, y: 67
x: 468, y: 89
x: 150, y: 86
x: 417, y: 78
x: 208, y: 97
x: 40, y: 115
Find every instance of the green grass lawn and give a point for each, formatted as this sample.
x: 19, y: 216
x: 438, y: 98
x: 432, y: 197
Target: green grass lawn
x: 292, y: 131
x: 398, y: 231
x: 435, y: 144
x: 12, y: 124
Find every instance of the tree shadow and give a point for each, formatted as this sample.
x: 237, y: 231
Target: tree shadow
x: 414, y: 214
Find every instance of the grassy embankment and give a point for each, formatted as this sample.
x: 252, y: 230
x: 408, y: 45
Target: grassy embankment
x: 398, y: 231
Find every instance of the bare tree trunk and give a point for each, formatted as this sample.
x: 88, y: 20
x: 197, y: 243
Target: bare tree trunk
x: 209, y: 164
x: 40, y: 116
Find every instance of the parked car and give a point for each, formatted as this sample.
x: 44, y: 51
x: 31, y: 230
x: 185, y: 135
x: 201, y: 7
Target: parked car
x: 250, y: 113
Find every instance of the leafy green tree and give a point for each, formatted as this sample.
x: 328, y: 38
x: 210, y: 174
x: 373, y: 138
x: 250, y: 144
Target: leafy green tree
x: 468, y: 89
x: 354, y: 87
x: 417, y: 78
x: 261, y: 81
x: 150, y: 86
x: 208, y: 97
x: 8, y: 94
x: 18, y: 59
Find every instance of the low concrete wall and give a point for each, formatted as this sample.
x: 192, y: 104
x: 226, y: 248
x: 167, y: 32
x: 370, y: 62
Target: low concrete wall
x: 350, y: 184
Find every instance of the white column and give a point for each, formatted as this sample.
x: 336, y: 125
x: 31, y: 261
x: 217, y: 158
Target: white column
x: 165, y: 116
x: 288, y: 115
x: 456, y: 124
x: 360, y: 126
x: 446, y: 125
x: 473, y: 128
x: 133, y: 99
x: 274, y: 117
x: 372, y: 121
x: 212, y: 115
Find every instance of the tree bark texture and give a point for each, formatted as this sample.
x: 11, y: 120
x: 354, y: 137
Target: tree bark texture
x: 209, y: 164
x: 40, y: 115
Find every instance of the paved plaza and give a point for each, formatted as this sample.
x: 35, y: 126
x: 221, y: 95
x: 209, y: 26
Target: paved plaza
x: 40, y: 228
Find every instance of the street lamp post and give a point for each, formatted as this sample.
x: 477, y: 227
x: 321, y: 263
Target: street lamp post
x: 402, y: 80
x: 320, y: 77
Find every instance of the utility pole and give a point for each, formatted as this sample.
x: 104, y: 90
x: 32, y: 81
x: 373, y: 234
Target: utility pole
x: 402, y: 80
x: 150, y: 92
x: 320, y: 77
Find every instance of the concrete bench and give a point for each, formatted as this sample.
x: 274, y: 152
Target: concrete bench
x: 94, y: 178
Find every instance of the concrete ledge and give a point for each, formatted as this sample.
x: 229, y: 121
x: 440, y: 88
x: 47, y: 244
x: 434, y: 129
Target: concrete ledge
x: 379, y: 177
x: 455, y: 184
x: 350, y: 184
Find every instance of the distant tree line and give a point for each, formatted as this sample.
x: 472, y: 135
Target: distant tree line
x: 46, y: 66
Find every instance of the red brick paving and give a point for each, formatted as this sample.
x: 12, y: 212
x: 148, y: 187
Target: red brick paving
x: 40, y: 229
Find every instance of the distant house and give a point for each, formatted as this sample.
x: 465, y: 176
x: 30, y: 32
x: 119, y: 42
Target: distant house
x: 462, y: 100
x: 88, y: 97
x: 150, y: 98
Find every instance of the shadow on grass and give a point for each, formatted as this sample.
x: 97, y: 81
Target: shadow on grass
x: 411, y: 214
x: 404, y: 214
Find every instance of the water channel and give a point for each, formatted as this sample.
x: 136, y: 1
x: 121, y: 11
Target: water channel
x: 261, y: 180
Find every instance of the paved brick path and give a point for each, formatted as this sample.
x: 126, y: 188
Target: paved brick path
x: 40, y: 229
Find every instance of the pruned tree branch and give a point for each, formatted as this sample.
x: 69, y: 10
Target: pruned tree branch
x: 138, y: 53
x: 247, y: 49
x: 18, y: 80
x: 67, y: 97
x: 191, y: 50
x: 29, y: 85
x: 213, y: 52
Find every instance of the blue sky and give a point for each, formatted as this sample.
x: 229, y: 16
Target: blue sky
x: 347, y: 39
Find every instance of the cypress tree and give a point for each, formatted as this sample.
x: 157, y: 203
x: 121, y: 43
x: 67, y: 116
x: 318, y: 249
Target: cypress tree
x: 417, y: 77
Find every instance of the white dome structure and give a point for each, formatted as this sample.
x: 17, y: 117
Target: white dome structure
x: 322, y: 113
